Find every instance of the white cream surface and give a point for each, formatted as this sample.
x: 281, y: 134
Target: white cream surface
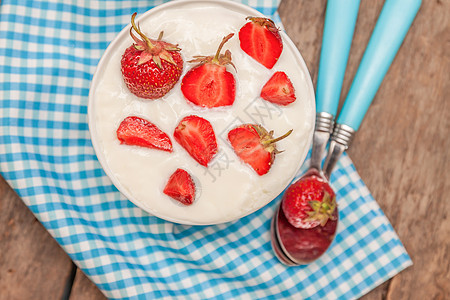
x: 228, y: 189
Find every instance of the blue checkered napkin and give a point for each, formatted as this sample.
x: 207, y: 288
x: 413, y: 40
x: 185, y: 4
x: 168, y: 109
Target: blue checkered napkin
x: 48, y: 53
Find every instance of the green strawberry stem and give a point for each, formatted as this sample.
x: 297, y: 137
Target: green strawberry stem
x: 160, y: 35
x: 218, y: 59
x: 272, y: 141
x: 151, y: 49
x: 323, y: 210
x: 224, y: 40
x: 143, y: 36
x: 266, y: 22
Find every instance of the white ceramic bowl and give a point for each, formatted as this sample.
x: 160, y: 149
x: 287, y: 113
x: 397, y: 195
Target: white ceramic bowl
x: 228, y: 189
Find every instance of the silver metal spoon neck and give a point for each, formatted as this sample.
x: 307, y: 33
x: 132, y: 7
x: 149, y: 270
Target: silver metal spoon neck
x: 322, y: 132
x: 340, y: 141
x: 343, y: 134
x: 324, y: 122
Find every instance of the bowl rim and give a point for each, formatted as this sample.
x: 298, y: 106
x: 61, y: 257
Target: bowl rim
x: 104, y: 58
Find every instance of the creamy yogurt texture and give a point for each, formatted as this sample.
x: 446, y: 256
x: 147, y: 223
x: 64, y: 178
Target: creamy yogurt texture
x: 228, y: 188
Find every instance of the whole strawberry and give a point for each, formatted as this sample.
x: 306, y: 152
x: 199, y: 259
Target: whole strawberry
x: 209, y: 84
x: 309, y: 202
x: 255, y: 146
x: 260, y: 39
x: 150, y: 68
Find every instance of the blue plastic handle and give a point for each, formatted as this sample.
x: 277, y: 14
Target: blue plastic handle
x: 340, y: 20
x: 392, y: 25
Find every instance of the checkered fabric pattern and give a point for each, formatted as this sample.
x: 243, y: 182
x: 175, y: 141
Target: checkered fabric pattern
x: 48, y: 53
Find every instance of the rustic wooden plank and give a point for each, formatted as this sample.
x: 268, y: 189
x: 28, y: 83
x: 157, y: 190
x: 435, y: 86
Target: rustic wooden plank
x: 84, y: 289
x: 403, y: 154
x: 406, y: 166
x: 33, y: 266
x: 401, y: 150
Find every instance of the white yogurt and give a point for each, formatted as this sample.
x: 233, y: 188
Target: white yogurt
x: 228, y: 189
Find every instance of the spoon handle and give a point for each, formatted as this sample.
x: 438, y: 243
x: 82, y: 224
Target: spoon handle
x: 391, y: 28
x: 392, y: 25
x: 340, y: 20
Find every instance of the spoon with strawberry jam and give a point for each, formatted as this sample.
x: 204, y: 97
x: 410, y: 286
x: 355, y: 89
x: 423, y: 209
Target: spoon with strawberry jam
x: 305, y: 224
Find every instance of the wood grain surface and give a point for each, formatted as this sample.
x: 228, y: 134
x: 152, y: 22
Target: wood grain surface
x: 401, y: 152
x: 32, y: 264
x: 84, y: 289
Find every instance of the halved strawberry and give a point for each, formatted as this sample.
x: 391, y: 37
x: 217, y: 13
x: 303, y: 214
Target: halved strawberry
x: 150, y: 68
x: 197, y: 136
x: 140, y: 132
x: 209, y: 84
x: 279, y: 89
x: 261, y: 40
x: 181, y: 187
x: 255, y: 146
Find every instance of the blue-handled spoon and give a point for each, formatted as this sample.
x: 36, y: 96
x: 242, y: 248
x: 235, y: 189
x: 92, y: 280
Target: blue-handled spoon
x: 393, y: 23
x: 391, y: 28
x: 340, y: 20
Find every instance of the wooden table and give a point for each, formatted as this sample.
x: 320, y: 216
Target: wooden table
x: 401, y: 152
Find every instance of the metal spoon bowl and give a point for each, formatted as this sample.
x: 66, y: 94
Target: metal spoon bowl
x: 296, y: 246
x: 276, y: 246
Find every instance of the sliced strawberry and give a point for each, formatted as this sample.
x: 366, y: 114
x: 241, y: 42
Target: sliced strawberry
x: 261, y: 40
x: 181, y: 187
x: 279, y: 89
x: 197, y: 136
x: 140, y: 132
x: 209, y: 84
x: 255, y: 146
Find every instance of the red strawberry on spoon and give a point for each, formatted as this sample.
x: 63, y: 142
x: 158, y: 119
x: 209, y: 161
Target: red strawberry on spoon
x: 181, y: 187
x: 140, y: 132
x: 279, y: 89
x: 309, y: 202
x: 255, y: 146
x: 209, y: 84
x: 260, y: 39
x: 307, y: 219
x: 197, y: 137
x: 150, y: 68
